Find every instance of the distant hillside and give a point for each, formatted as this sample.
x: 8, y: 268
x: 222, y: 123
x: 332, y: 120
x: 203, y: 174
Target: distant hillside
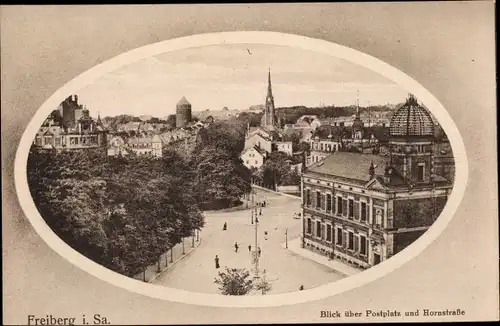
x: 145, y: 117
x: 291, y: 114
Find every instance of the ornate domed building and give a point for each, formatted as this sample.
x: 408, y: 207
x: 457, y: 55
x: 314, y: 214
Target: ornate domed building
x: 411, y: 120
x: 361, y: 209
x: 411, y: 140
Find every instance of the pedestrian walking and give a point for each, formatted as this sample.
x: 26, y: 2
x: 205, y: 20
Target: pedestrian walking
x: 260, y: 212
x: 265, y: 235
x: 217, y: 262
x: 259, y: 251
x: 224, y: 228
x: 249, y: 248
x: 236, y: 247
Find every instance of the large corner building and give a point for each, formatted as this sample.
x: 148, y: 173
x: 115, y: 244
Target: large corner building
x: 363, y: 208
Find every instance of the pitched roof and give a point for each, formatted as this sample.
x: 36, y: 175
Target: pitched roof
x: 140, y: 140
x: 183, y: 101
x: 350, y: 165
x: 259, y: 150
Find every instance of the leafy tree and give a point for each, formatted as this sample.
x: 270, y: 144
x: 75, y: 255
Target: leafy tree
x: 304, y: 147
x: 277, y: 171
x: 171, y: 121
x: 69, y: 199
x: 227, y: 136
x: 220, y: 177
x: 263, y: 286
x: 122, y: 212
x: 234, y: 281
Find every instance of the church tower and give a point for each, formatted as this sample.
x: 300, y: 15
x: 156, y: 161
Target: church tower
x: 269, y: 114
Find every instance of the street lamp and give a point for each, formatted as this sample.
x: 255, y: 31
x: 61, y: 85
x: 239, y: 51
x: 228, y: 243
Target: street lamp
x: 252, y: 216
x: 256, y: 252
x: 192, y: 245
x: 197, y: 235
x: 183, y: 249
x: 286, y: 238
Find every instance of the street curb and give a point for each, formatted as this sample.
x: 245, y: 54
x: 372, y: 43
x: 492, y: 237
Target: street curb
x: 276, y: 192
x: 175, y: 262
x: 315, y: 261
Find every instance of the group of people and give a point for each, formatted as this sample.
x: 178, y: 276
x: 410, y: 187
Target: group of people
x: 261, y: 203
x: 236, y: 247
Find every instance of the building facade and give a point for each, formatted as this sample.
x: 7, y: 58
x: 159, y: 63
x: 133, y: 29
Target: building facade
x: 147, y: 145
x: 362, y: 209
x: 253, y: 157
x: 70, y: 127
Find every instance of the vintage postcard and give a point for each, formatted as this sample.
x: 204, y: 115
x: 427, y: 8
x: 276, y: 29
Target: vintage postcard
x: 262, y: 163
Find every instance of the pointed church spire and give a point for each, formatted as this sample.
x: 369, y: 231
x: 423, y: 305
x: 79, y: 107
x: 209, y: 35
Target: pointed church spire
x: 269, y: 87
x: 269, y: 114
x: 357, y: 104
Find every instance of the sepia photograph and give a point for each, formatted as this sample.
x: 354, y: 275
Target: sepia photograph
x: 230, y: 165
x: 225, y: 169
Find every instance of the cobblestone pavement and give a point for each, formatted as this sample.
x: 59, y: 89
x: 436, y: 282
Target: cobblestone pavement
x: 285, y: 270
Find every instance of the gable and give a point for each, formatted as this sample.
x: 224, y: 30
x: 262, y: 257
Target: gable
x: 259, y: 136
x: 260, y: 132
x: 252, y: 150
x: 375, y: 185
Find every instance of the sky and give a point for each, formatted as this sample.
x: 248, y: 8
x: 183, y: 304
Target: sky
x: 235, y: 76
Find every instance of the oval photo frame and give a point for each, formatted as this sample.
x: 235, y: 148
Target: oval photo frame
x: 216, y: 300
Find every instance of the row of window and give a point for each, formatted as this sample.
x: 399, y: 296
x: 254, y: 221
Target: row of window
x: 141, y: 145
x: 316, y: 158
x: 324, y: 147
x: 347, y: 207
x: 91, y: 140
x: 57, y: 140
x: 256, y: 162
x: 343, y: 238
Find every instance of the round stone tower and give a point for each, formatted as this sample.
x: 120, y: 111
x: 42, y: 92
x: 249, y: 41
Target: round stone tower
x: 183, y: 113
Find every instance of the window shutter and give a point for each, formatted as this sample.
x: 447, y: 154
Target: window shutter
x: 356, y: 243
x: 323, y: 202
x: 344, y: 207
x: 344, y: 239
x: 356, y: 210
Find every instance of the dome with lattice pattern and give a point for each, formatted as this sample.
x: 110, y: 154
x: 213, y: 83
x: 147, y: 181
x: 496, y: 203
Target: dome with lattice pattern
x: 411, y: 120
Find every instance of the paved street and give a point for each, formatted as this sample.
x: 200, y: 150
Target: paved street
x: 285, y: 270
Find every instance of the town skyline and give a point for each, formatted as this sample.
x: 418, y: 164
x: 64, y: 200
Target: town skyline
x: 235, y: 76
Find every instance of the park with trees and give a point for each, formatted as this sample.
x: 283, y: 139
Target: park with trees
x: 121, y: 212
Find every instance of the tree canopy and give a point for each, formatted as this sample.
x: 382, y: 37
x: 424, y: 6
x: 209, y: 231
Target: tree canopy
x: 221, y: 179
x: 234, y: 281
x: 122, y: 212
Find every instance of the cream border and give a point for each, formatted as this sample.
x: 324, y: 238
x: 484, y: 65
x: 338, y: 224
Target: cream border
x: 204, y: 299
